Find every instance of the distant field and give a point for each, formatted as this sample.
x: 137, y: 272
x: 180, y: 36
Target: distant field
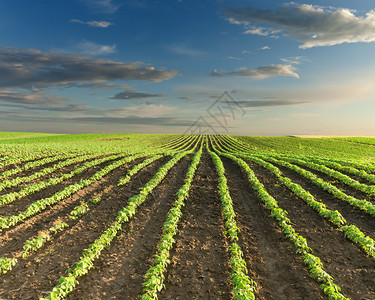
x: 142, y: 216
x: 349, y: 148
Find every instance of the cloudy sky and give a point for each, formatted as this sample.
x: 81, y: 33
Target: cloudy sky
x: 237, y: 67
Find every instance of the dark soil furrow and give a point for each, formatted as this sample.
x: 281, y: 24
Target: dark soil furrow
x: 36, y: 169
x: 350, y: 268
x: 55, y: 174
x: 20, y: 164
x: 200, y: 263
x: 37, y: 275
x: 15, y: 238
x: 363, y: 221
x: 351, y: 191
x: 270, y: 257
x: 21, y: 204
x: 119, y: 272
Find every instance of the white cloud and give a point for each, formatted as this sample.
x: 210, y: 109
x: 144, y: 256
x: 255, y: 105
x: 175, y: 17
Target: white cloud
x: 309, y: 24
x: 261, y: 31
x: 94, y: 49
x: 234, y: 58
x: 265, y: 48
x: 296, y: 60
x: 100, y: 24
x: 262, y: 72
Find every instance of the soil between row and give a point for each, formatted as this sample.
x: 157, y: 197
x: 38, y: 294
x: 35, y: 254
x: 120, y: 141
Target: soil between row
x: 200, y: 267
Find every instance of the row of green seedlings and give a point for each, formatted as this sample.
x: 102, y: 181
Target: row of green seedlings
x: 67, y: 283
x: 34, y: 164
x: 40, y: 205
x: 349, y: 169
x: 340, y: 164
x: 313, y: 262
x: 368, y: 189
x: 36, y: 187
x: 131, y: 172
x: 194, y: 139
x: 186, y: 144
x: 364, y: 205
x: 230, y: 146
x: 24, y: 157
x: 235, y: 144
x: 34, y: 244
x: 196, y: 142
x: 361, y: 204
x: 19, y: 180
x: 243, y: 286
x: 352, y: 232
x: 154, y: 277
x: 175, y: 141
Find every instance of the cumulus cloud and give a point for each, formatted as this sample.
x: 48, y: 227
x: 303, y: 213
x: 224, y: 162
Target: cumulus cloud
x: 311, y: 25
x: 262, y: 31
x: 24, y: 68
x: 100, y: 24
x: 260, y: 72
x: 134, y: 95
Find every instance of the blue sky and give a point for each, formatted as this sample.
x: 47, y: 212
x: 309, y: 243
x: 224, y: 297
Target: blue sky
x: 289, y: 68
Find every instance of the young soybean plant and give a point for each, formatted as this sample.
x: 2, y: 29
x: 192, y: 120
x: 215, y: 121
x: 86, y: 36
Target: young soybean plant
x: 154, y: 277
x: 243, y: 286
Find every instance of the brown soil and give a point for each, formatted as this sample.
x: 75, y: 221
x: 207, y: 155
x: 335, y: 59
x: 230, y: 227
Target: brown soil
x: 21, y: 204
x: 348, y: 265
x: 199, y: 261
x: 36, y: 275
x: 32, y: 170
x: 271, y: 258
x: 121, y: 276
x: 352, y: 215
x: 342, y: 186
x: 14, y: 238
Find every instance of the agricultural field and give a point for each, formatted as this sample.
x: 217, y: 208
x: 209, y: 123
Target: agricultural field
x: 136, y: 216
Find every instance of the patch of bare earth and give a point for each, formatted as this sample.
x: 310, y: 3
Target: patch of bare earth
x: 351, y: 269
x: 200, y: 262
x: 119, y: 272
x: 35, y: 276
x: 271, y: 259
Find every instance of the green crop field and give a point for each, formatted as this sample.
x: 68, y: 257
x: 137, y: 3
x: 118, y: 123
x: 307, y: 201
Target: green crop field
x: 153, y: 216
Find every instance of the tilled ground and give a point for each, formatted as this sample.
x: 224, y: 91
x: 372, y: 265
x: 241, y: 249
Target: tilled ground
x: 200, y: 262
